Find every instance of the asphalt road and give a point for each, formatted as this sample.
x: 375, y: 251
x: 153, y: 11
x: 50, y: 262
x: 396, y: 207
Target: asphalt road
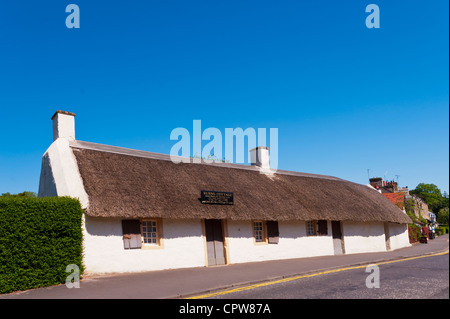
x: 196, y: 282
x: 422, y: 278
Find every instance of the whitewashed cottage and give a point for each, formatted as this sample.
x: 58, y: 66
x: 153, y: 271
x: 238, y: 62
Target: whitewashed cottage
x: 143, y: 212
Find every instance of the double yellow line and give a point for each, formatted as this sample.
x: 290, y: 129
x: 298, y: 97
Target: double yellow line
x: 229, y: 291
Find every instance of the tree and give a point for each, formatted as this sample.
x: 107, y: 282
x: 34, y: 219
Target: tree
x: 443, y: 203
x: 442, y: 216
x: 429, y: 193
x: 23, y: 194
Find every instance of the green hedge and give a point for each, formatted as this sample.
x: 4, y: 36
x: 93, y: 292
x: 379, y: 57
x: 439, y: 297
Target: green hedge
x: 442, y: 230
x: 39, y: 237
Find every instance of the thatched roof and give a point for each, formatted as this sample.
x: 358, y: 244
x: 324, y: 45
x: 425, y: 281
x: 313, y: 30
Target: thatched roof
x: 127, y: 183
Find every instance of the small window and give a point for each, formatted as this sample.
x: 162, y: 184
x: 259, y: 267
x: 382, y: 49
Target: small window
x: 316, y: 228
x: 150, y: 232
x: 311, y: 228
x: 259, y: 232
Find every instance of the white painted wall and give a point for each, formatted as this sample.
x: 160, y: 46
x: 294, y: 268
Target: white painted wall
x: 104, y: 252
x: 59, y: 173
x: 398, y: 236
x: 184, y: 245
x: 293, y: 243
x: 363, y: 237
x: 370, y: 237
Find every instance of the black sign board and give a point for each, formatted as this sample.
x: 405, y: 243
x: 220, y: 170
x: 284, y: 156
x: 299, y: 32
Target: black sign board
x: 213, y: 197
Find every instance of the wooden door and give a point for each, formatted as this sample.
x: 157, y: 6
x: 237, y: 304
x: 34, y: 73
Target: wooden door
x: 214, y: 242
x: 337, y: 237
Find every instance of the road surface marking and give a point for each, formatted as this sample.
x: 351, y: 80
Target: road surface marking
x: 229, y: 291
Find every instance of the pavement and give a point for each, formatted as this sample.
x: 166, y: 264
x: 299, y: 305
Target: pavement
x: 188, y: 282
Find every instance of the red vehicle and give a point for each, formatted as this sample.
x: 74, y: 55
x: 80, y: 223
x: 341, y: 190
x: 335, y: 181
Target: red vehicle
x: 425, y: 234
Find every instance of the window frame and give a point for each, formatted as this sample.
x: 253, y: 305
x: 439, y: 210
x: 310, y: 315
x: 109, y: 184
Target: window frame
x: 159, y: 237
x: 315, y: 226
x: 264, y: 232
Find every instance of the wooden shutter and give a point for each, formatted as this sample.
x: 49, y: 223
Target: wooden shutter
x: 272, y: 232
x: 336, y: 229
x: 131, y: 229
x: 323, y: 229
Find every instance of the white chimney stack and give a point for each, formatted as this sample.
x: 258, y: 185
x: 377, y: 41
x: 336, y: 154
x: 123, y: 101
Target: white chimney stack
x: 259, y: 156
x: 63, y: 125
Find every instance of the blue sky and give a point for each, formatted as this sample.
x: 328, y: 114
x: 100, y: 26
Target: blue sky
x: 344, y: 98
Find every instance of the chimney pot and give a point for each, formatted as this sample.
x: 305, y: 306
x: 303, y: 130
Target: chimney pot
x: 259, y: 156
x: 63, y: 125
